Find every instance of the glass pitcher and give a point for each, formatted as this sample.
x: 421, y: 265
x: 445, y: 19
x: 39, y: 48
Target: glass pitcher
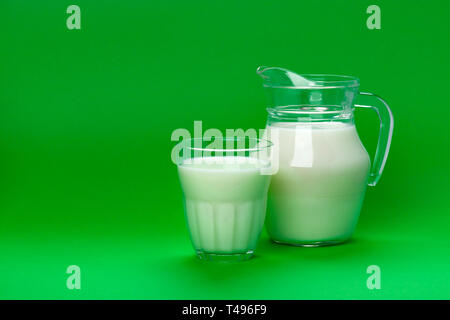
x: 321, y: 167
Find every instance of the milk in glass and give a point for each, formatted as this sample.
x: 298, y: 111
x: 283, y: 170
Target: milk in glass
x: 225, y: 202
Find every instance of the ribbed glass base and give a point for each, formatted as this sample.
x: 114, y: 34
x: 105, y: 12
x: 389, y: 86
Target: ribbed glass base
x: 223, y: 257
x: 311, y: 244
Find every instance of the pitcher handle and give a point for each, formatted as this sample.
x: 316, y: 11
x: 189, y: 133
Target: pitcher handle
x: 384, y: 136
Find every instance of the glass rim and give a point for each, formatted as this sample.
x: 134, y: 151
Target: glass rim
x: 323, y: 81
x: 261, y: 144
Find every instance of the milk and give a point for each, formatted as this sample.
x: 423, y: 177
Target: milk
x: 225, y: 202
x: 317, y: 193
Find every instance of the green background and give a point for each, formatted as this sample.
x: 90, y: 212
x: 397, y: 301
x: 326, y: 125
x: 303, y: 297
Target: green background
x: 86, y: 118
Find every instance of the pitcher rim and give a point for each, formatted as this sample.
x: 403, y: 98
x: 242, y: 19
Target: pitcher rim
x: 323, y: 81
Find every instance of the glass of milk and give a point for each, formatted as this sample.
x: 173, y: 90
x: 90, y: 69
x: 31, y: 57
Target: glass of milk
x: 317, y: 192
x: 225, y: 183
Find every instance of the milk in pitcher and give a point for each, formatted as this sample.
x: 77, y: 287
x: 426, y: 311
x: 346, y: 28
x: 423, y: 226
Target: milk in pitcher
x: 317, y: 193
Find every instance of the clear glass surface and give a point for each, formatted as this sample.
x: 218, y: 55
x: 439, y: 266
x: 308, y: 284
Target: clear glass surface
x: 322, y: 168
x: 225, y: 185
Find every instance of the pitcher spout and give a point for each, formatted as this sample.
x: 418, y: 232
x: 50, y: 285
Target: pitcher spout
x: 280, y: 77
